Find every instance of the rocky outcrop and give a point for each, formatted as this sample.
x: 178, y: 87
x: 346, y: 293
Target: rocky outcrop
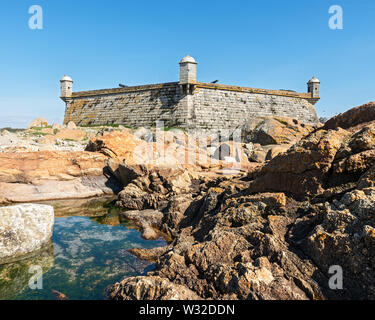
x: 36, y: 176
x: 276, y: 233
x: 24, y: 229
x: 151, y: 288
x: 353, y: 119
x: 325, y: 163
x: 274, y: 130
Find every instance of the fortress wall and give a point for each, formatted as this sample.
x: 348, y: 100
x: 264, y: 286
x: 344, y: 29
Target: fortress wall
x: 224, y: 107
x: 212, y: 106
x: 133, y: 106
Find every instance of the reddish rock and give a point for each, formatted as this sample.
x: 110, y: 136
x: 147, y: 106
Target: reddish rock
x: 353, y: 119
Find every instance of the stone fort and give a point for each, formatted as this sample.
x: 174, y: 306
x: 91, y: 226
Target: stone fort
x: 187, y: 103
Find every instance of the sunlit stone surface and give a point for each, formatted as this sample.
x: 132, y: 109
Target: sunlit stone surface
x: 24, y: 229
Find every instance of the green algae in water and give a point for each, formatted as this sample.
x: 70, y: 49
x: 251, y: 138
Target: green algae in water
x: 87, y: 256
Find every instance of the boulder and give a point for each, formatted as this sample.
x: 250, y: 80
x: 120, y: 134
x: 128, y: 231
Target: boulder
x: 274, y: 150
x: 118, y: 144
x: 302, y: 169
x: 353, y: 119
x: 274, y: 130
x: 24, y: 229
x: 39, y: 122
x: 71, y: 125
x: 150, y: 288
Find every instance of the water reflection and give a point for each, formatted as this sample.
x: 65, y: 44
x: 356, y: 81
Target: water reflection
x: 89, y: 253
x: 14, y: 277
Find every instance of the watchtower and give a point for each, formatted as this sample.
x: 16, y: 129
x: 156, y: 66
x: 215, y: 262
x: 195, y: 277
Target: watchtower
x: 313, y: 86
x: 66, y: 87
x: 188, y: 74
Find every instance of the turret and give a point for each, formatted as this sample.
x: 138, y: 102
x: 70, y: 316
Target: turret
x: 313, y: 87
x: 188, y: 74
x: 66, y: 87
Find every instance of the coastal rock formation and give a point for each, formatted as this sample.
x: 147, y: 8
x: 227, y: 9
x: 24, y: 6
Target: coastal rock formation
x: 151, y: 288
x: 353, y: 119
x: 36, y: 176
x: 24, y: 229
x: 274, y: 130
x: 274, y: 233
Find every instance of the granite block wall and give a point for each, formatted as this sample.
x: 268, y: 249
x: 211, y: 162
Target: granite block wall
x: 211, y: 106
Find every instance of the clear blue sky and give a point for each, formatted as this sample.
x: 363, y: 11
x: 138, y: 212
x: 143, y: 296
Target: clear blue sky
x: 268, y: 44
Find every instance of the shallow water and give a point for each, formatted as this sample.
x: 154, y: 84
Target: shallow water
x: 87, y: 254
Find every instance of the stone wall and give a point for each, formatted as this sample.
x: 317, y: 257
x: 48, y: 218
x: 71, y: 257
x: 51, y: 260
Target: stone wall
x: 211, y: 106
x: 226, y: 107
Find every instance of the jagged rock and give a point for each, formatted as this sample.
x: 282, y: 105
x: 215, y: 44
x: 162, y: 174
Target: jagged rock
x: 24, y: 229
x: 274, y: 130
x: 302, y: 169
x: 273, y: 151
x: 147, y: 220
x: 276, y: 237
x: 150, y: 288
x: 353, y: 119
x: 346, y: 237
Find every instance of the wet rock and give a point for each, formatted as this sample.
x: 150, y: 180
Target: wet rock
x: 149, y: 221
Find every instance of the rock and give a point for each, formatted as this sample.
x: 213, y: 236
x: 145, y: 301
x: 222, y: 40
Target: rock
x: 150, y: 288
x: 144, y: 134
x: 274, y: 130
x: 346, y: 237
x: 56, y: 126
x: 23, y: 230
x: 70, y: 134
x: 4, y: 132
x: 119, y: 145
x: 302, y: 169
x: 36, y: 176
x: 270, y: 235
x: 147, y: 221
x: 258, y: 156
x: 39, y: 122
x: 353, y: 119
x: 71, y: 125
x: 273, y: 151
